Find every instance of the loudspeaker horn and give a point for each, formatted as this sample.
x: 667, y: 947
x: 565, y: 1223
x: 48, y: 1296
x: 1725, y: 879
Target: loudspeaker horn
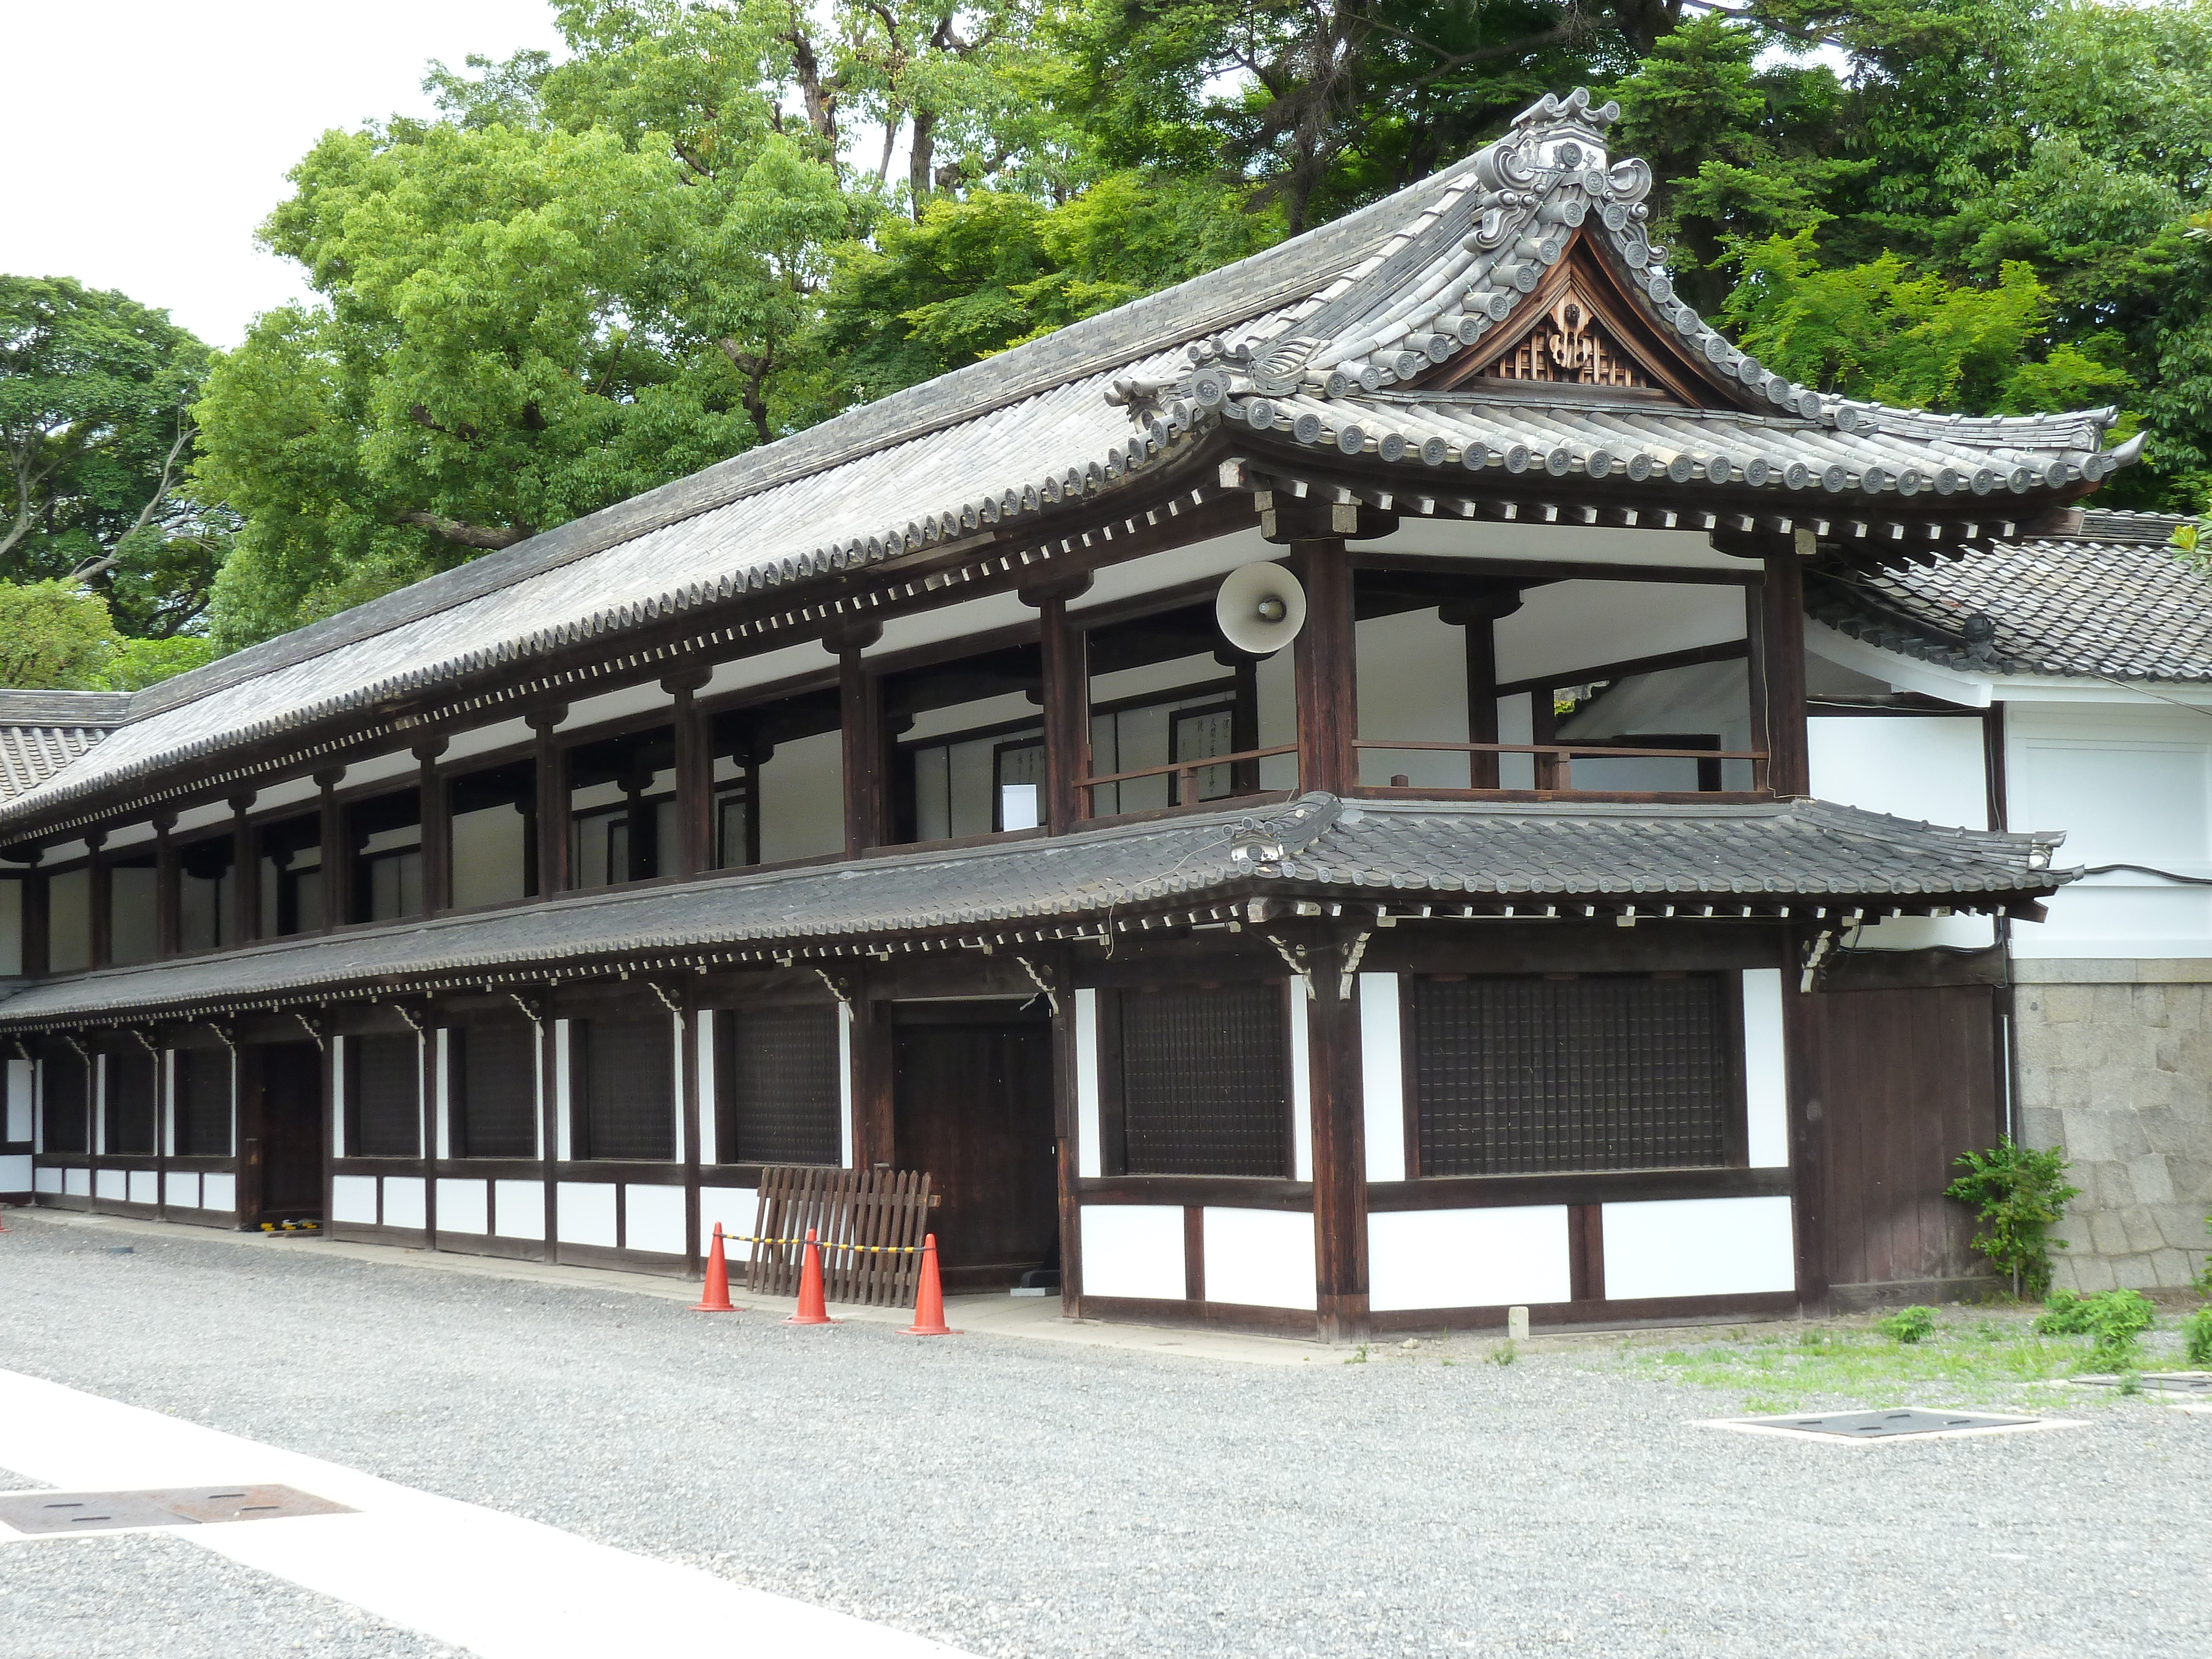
x: 1261, y: 608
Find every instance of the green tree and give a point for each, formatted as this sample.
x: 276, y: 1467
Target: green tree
x: 54, y: 636
x: 95, y: 424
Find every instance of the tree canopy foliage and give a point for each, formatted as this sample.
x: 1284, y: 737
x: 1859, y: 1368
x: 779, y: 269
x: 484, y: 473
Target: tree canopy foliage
x: 706, y: 223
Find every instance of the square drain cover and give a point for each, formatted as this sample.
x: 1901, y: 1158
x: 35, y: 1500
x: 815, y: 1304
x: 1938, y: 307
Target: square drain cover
x: 46, y: 1512
x: 2157, y: 1381
x: 1909, y: 1422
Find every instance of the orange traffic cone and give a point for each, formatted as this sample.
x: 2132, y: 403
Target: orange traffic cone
x: 929, y: 1298
x: 714, y: 1294
x: 811, y: 1311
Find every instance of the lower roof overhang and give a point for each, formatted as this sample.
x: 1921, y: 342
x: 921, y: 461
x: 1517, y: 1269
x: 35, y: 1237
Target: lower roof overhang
x: 1315, y: 858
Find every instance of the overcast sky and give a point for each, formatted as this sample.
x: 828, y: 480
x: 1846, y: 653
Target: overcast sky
x: 145, y: 141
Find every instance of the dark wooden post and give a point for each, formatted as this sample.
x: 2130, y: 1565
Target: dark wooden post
x: 549, y: 1112
x: 860, y: 714
x: 436, y: 818
x: 1552, y: 772
x: 1329, y: 716
x: 1479, y: 617
x: 1066, y: 1116
x: 1340, y: 1151
x: 689, y: 1105
x: 552, y: 804
x: 695, y: 777
x: 165, y: 887
x: 245, y: 873
x: 874, y: 1138
x: 430, y: 1073
x: 1066, y: 712
x: 36, y: 932
x: 329, y: 833
x: 100, y: 900
x: 1781, y: 662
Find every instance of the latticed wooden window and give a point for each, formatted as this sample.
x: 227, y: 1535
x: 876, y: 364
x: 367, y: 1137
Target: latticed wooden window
x: 493, y: 1072
x: 1203, y: 1083
x: 64, y: 1095
x: 203, y: 1103
x: 384, y: 1096
x: 1602, y: 1072
x: 775, y: 1072
x: 132, y: 1105
x: 627, y: 1074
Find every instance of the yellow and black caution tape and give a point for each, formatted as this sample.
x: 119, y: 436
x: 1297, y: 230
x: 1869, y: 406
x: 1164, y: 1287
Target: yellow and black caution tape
x: 823, y: 1244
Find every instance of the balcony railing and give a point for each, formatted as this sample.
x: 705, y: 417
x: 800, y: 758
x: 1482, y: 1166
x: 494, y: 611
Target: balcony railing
x: 1554, y: 764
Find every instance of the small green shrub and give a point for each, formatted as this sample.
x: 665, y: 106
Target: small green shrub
x: 2196, y: 1338
x: 1914, y: 1324
x: 2115, y: 1318
x: 2018, y: 1195
x: 1504, y: 1354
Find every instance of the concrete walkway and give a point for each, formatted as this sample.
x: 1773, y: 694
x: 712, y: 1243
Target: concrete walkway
x: 1036, y: 1318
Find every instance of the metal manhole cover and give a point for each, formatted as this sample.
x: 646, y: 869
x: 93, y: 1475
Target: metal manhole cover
x: 2156, y: 1381
x: 1905, y: 1423
x: 34, y: 1513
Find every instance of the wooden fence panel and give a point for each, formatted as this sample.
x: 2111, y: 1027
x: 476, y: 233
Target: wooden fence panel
x: 870, y: 1224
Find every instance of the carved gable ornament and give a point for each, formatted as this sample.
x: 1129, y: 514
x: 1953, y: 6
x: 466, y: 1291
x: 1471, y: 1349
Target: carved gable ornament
x: 1570, y: 346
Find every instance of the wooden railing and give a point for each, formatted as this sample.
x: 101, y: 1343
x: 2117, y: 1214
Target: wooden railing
x: 1554, y: 761
x: 1185, y: 773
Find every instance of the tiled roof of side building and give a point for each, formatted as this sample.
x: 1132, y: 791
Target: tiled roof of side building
x: 1322, y: 340
x: 43, y: 731
x: 2109, y: 601
x: 1400, y: 853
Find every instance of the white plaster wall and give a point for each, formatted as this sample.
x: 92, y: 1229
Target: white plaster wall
x: 951, y: 621
x: 1556, y: 543
x: 1132, y: 1249
x: 406, y: 1199
x: 1382, y: 1081
x: 653, y: 1218
x: 110, y: 1183
x: 489, y: 856
x: 218, y: 1192
x: 50, y: 1180
x: 1766, y: 1071
x: 1410, y: 673
x: 464, y: 1206
x: 1698, y: 1247
x: 1467, y: 1258
x: 1301, y: 1078
x: 584, y: 1213
x: 1087, y: 1131
x: 68, y: 922
x: 16, y: 1173
x: 184, y: 1190
x: 791, y: 662
x: 1565, y: 627
x: 735, y: 1207
x: 483, y: 739
x: 19, y: 1096
x: 519, y: 1209
x: 145, y: 1186
x: 1258, y: 1258
x: 564, y: 1096
x: 803, y: 799
x: 1929, y: 769
x: 2129, y: 785
x: 1156, y: 571
x: 131, y: 900
x: 845, y: 1085
x: 709, y: 1153
x: 1275, y: 682
x: 643, y: 698
x: 441, y: 1104
x: 77, y: 1183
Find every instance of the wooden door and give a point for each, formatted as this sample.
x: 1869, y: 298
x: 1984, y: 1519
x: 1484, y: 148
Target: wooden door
x: 972, y: 1105
x: 284, y: 1143
x: 1895, y: 1084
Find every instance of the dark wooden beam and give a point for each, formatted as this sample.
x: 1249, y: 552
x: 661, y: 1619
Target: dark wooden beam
x: 436, y: 819
x: 337, y: 877
x: 1781, y: 644
x: 1066, y: 713
x: 695, y: 777
x: 1328, y: 718
x: 244, y: 877
x: 1340, y: 1155
x: 101, y: 898
x: 861, y: 703
x: 1726, y: 651
x: 552, y: 788
x: 165, y: 886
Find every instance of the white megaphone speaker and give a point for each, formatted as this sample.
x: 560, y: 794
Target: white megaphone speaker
x: 1259, y: 609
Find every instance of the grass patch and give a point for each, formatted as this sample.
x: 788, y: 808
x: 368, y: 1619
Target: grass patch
x: 1972, y: 1359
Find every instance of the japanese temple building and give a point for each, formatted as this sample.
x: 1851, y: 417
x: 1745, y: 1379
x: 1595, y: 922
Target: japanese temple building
x: 1290, y: 798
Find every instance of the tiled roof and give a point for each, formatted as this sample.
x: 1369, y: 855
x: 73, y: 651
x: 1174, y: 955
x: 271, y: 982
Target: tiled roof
x: 2110, y: 601
x: 1397, y: 853
x: 1307, y: 339
x: 42, y: 732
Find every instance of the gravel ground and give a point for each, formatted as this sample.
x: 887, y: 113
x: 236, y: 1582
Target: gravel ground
x: 140, y: 1594
x: 1020, y: 1498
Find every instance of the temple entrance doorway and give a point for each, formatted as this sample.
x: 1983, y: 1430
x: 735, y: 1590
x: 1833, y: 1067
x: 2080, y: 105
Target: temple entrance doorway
x: 972, y: 1103
x: 281, y: 1136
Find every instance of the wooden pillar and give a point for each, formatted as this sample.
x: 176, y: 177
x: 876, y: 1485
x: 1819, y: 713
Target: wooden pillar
x: 101, y: 896
x: 37, y: 933
x: 245, y: 875
x: 1066, y: 713
x: 1781, y: 663
x: 1328, y: 713
x: 1552, y: 772
x: 875, y: 1139
x: 860, y: 714
x: 428, y: 1166
x: 436, y: 819
x: 165, y: 888
x: 549, y: 1115
x: 1340, y: 1151
x: 1066, y: 1131
x: 694, y: 779
x: 552, y: 784
x: 329, y: 837
x: 1479, y: 619
x: 689, y: 1106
